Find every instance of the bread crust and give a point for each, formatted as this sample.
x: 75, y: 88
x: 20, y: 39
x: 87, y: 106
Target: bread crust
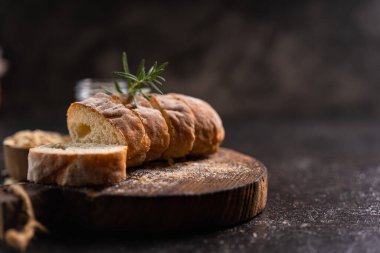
x: 155, y: 127
x: 124, y: 121
x: 76, y: 169
x: 180, y: 120
x: 209, y: 130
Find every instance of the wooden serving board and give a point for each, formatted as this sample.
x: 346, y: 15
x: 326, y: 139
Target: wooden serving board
x: 222, y: 190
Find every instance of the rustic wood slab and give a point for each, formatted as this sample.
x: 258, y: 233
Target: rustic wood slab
x: 222, y: 190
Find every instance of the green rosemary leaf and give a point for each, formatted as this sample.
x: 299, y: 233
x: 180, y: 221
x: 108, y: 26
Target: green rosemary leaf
x: 162, y: 79
x: 126, y: 75
x: 157, y: 82
x: 118, y: 88
x: 125, y: 64
x: 155, y: 87
x: 152, y: 69
x: 136, y: 83
x: 108, y: 90
x: 145, y: 96
x: 162, y: 66
x: 141, y: 70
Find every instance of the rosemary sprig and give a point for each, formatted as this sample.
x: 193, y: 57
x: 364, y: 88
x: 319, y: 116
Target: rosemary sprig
x: 143, y: 79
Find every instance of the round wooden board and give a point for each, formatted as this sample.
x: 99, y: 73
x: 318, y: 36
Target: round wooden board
x: 224, y: 189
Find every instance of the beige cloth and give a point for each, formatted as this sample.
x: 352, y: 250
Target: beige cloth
x: 19, y: 239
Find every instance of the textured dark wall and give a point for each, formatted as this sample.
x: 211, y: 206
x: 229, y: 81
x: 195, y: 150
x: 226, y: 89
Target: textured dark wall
x: 247, y: 58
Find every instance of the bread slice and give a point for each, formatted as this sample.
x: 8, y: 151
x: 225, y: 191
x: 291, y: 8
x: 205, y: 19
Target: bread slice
x: 180, y: 120
x: 77, y: 164
x: 155, y: 127
x: 209, y: 131
x: 104, y: 119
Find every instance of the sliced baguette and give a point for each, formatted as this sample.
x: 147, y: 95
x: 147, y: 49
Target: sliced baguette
x: 180, y: 120
x: 155, y: 126
x: 209, y: 131
x: 77, y: 164
x: 166, y: 126
x: 104, y: 119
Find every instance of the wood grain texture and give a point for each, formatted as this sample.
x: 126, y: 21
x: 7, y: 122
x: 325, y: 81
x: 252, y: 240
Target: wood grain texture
x: 222, y: 190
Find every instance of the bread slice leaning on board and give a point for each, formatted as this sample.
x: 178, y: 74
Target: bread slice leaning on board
x: 77, y: 164
x: 164, y: 127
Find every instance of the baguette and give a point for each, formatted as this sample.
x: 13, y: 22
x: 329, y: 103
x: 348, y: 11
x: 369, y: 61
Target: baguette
x: 77, y: 164
x: 165, y: 127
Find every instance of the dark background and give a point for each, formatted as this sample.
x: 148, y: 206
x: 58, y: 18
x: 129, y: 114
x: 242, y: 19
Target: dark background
x: 260, y: 59
x: 296, y: 83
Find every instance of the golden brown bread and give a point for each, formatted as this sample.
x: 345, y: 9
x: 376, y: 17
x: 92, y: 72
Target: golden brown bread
x: 209, y: 131
x: 180, y: 120
x: 104, y: 119
x: 166, y: 126
x: 77, y: 164
x: 155, y: 127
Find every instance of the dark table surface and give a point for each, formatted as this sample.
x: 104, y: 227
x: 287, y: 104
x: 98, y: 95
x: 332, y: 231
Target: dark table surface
x: 324, y: 194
